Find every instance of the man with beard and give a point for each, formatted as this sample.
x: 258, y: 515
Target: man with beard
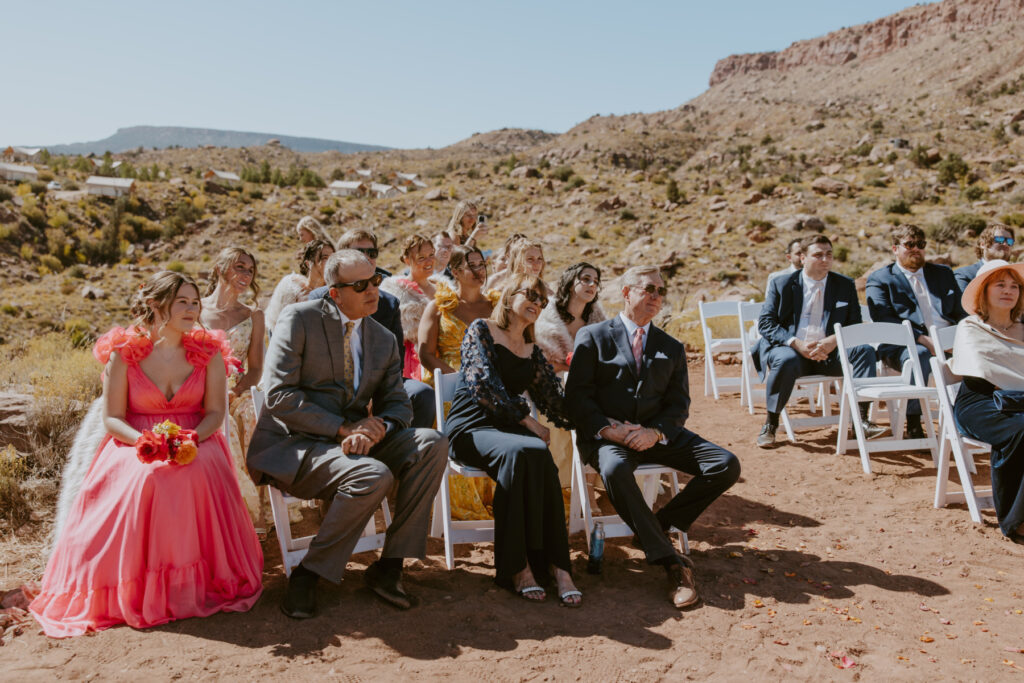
x: 994, y: 242
x: 926, y: 294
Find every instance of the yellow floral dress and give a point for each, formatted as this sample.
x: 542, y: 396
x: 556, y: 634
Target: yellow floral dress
x: 472, y: 497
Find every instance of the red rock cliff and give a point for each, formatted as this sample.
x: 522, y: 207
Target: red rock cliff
x: 876, y: 38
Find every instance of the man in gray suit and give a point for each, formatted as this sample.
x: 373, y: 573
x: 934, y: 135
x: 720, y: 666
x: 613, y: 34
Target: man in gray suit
x: 335, y: 428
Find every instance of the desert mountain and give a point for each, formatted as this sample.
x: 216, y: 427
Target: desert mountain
x: 162, y: 137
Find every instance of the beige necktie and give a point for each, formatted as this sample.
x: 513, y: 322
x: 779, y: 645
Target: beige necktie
x: 350, y: 366
x: 815, y: 314
x: 924, y: 301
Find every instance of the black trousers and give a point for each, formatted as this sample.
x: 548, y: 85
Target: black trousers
x: 529, y: 515
x: 714, y: 470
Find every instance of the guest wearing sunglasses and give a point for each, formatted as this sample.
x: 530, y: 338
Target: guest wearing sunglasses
x: 628, y: 393
x: 336, y: 427
x: 911, y: 289
x: 490, y: 427
x: 389, y: 315
x: 995, y: 242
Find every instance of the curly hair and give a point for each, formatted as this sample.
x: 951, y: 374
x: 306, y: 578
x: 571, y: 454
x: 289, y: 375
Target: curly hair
x: 987, y: 237
x: 413, y: 243
x: 460, y: 257
x: 225, y: 259
x: 310, y: 254
x: 162, y: 288
x: 563, y: 291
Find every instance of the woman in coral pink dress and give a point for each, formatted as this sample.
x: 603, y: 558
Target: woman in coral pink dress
x: 145, y: 544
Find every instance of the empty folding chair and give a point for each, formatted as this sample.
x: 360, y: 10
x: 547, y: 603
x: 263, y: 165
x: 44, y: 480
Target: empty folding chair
x: 294, y: 549
x: 962, y: 447
x: 895, y: 390
x: 942, y: 340
x: 711, y: 310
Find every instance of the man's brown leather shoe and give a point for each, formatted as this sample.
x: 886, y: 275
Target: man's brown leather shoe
x: 683, y: 590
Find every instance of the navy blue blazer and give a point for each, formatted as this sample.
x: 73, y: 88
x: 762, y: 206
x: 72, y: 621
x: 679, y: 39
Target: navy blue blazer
x: 966, y: 274
x: 891, y: 299
x: 780, y: 315
x: 603, y: 382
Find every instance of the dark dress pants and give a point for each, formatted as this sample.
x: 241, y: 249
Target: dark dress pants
x: 896, y: 356
x: 422, y: 397
x: 785, y: 366
x: 714, y: 470
x: 529, y: 515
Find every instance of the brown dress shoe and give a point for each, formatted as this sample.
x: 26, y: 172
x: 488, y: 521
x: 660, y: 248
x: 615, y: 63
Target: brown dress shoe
x: 683, y: 590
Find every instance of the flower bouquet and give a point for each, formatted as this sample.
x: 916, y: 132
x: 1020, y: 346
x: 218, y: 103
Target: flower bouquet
x: 167, y: 442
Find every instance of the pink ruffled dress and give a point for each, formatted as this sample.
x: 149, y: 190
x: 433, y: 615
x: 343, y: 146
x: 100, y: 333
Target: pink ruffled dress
x: 147, y: 544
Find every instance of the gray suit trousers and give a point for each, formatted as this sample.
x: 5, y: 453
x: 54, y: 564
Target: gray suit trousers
x: 355, y: 485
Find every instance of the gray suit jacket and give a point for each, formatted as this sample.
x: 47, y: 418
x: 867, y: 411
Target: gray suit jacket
x: 307, y: 398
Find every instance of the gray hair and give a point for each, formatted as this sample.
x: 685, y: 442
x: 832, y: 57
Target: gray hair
x: 632, y: 276
x: 340, y: 260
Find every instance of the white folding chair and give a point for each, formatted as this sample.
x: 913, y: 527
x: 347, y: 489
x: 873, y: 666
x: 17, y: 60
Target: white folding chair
x: 895, y: 390
x: 809, y: 386
x: 709, y: 310
x: 581, y: 514
x: 963, y: 448
x: 294, y: 549
x: 454, y: 530
x: 942, y: 340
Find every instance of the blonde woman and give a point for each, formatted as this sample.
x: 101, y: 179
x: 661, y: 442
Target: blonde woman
x: 465, y: 224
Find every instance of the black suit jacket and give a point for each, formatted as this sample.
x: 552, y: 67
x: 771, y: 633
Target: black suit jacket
x: 891, y: 298
x: 603, y: 382
x: 780, y: 315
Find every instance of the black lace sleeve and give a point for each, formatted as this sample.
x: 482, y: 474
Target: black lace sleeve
x: 546, y: 391
x: 480, y: 375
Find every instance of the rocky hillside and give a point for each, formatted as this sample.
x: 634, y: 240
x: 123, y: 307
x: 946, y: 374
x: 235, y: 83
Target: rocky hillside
x: 881, y: 37
x: 928, y: 132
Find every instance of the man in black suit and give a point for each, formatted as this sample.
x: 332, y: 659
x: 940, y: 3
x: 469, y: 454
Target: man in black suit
x: 800, y: 311
x: 994, y: 242
x: 628, y: 393
x: 388, y: 315
x: 910, y: 289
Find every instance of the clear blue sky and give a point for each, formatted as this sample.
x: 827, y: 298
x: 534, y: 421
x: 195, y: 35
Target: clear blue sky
x: 402, y: 74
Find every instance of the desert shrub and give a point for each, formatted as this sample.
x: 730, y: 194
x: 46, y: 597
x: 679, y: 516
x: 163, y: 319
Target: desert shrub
x: 952, y: 168
x: 831, y: 220
x: 9, y: 309
x: 176, y: 266
x: 863, y: 149
x: 5, y: 194
x: 627, y: 215
x: 959, y: 222
x: 759, y: 223
x: 974, y: 192
x: 574, y: 182
x: 14, y: 506
x: 327, y: 211
x: 255, y: 194
x: 766, y: 188
x: 919, y: 156
x: 473, y: 174
x: 876, y: 126
x: 672, y: 192
x: 38, y: 187
x: 841, y: 252
x: 897, y: 205
x: 562, y: 173
x: 35, y: 216
x: 583, y: 233
x: 1015, y: 218
x: 77, y: 272
x: 50, y: 263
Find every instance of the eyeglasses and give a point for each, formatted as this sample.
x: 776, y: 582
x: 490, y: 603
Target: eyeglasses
x: 361, y: 285
x: 999, y: 239
x: 914, y: 244
x: 371, y: 252
x: 587, y: 280
x: 651, y: 290
x: 534, y: 296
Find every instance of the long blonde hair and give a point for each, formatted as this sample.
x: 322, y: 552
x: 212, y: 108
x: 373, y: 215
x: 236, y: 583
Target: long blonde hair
x: 502, y: 313
x: 455, y: 229
x: 225, y: 259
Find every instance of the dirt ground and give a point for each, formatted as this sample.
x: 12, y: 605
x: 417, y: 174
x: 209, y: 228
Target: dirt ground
x: 808, y: 569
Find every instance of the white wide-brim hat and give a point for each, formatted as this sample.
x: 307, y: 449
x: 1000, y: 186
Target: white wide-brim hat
x: 976, y: 287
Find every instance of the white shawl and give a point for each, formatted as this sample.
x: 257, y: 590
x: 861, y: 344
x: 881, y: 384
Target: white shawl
x: 411, y: 304
x: 982, y: 351
x: 552, y: 334
x: 290, y: 290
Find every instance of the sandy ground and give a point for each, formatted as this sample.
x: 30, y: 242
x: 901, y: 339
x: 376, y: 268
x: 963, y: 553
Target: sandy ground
x: 808, y: 569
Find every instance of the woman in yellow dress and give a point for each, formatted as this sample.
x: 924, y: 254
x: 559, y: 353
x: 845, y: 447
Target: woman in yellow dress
x: 442, y: 327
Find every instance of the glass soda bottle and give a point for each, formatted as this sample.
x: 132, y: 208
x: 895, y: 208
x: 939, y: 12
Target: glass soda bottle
x: 596, y: 548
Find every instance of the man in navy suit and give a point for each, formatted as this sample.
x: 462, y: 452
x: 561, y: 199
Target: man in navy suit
x: 388, y: 315
x: 923, y: 293
x: 800, y: 311
x: 994, y: 242
x: 628, y: 393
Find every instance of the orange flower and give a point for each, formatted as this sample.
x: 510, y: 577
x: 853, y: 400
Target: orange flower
x: 186, y: 452
x: 151, y: 447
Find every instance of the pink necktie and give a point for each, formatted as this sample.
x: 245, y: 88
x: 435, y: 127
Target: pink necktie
x: 638, y: 347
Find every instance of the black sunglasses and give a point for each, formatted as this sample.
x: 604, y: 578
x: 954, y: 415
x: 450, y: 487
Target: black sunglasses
x: 999, y: 239
x: 361, y: 285
x: 534, y: 296
x: 911, y: 244
x: 371, y: 252
x: 660, y: 291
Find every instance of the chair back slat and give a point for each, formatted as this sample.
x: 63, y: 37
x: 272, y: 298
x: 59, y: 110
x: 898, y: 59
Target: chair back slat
x: 942, y: 340
x: 444, y: 392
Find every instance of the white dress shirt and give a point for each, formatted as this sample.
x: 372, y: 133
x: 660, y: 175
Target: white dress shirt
x: 631, y: 330
x: 809, y: 287
x: 936, y: 302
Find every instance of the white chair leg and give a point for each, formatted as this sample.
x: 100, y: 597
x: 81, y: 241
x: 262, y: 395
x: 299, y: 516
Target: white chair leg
x: 942, y: 472
x: 788, y: 426
x: 842, y: 442
x: 708, y: 385
x: 446, y: 512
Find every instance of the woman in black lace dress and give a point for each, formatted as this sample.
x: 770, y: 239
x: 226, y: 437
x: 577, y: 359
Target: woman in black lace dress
x: 490, y: 427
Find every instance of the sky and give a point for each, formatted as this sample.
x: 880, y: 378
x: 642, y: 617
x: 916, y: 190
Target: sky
x: 400, y: 74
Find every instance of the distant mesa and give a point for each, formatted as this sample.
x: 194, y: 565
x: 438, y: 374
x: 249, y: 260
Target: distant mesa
x: 161, y: 137
x: 876, y: 38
